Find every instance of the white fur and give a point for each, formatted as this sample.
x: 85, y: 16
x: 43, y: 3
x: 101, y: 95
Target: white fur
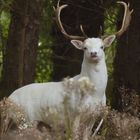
x: 38, y: 96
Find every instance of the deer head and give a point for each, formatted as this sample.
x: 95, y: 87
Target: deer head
x: 93, y: 47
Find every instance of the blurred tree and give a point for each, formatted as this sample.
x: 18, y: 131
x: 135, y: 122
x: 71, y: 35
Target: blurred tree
x: 67, y: 60
x: 20, y: 52
x: 127, y: 60
x: 4, y: 26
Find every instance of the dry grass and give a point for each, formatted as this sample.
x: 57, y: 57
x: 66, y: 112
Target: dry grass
x: 122, y: 126
x: 130, y: 101
x: 116, y: 126
x: 102, y: 124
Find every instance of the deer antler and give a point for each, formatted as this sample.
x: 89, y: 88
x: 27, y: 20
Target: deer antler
x: 125, y: 23
x: 126, y: 18
x: 58, y: 10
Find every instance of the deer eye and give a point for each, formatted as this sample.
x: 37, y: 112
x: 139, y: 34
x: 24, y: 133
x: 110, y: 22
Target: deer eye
x: 102, y: 47
x: 84, y: 48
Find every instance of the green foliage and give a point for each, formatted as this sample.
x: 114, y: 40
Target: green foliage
x: 4, y: 26
x: 5, y: 5
x: 109, y: 23
x: 44, y: 63
x: 109, y: 28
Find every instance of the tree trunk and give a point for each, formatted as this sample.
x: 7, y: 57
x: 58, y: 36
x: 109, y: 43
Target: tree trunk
x: 21, y: 49
x: 67, y: 60
x: 127, y: 60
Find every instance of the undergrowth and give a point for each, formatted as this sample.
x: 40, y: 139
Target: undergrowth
x: 102, y: 124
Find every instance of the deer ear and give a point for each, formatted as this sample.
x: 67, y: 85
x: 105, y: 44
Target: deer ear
x: 108, y: 40
x: 77, y: 44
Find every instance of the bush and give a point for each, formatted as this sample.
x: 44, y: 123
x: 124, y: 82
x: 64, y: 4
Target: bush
x: 116, y: 126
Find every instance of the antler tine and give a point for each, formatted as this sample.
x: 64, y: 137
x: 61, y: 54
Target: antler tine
x: 126, y: 18
x: 82, y: 30
x: 58, y: 10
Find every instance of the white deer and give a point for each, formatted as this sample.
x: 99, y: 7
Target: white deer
x: 34, y: 97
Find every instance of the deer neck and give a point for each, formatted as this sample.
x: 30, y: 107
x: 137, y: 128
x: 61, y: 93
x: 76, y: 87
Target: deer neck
x: 92, y: 69
x: 97, y: 74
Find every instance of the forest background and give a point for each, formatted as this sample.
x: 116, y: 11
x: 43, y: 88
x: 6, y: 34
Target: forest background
x: 32, y: 49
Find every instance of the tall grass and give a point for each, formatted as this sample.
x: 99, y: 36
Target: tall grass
x: 100, y: 124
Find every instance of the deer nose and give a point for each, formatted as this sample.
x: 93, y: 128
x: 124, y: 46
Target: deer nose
x: 93, y: 54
